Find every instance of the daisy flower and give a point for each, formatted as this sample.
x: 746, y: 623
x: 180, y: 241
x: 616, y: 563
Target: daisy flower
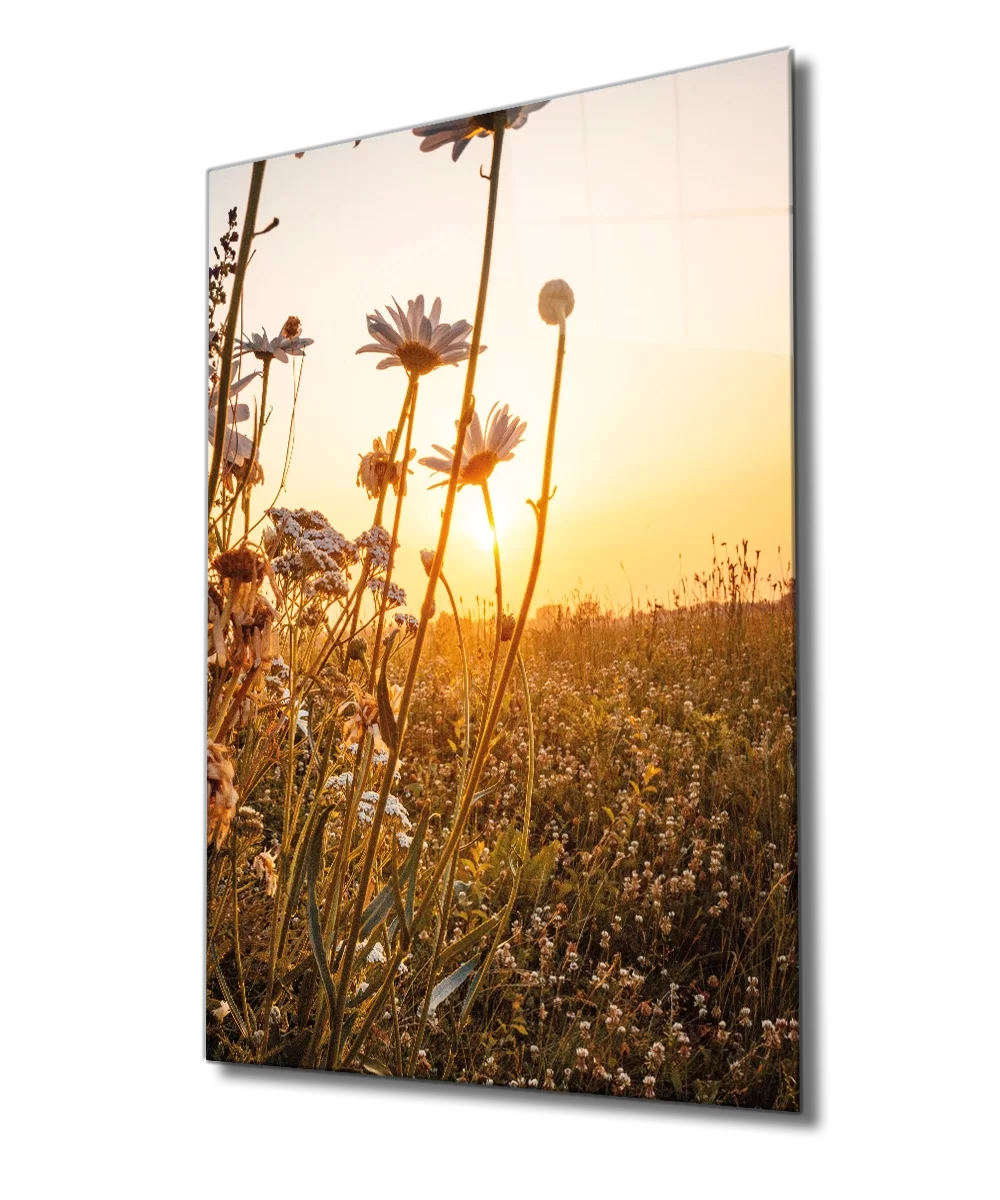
x: 237, y: 448
x: 418, y: 342
x: 463, y: 129
x: 262, y: 347
x: 481, y: 453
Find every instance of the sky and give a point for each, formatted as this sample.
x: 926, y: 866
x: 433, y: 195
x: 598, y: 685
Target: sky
x: 665, y: 204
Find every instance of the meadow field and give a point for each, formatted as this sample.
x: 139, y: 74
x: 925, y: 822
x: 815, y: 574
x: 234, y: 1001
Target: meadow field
x: 506, y: 842
x: 645, y: 945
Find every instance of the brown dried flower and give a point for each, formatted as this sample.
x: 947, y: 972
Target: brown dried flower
x: 241, y: 564
x: 223, y: 798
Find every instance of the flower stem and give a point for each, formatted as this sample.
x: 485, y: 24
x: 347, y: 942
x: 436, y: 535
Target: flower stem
x: 359, y: 594
x: 499, y: 612
x: 489, y: 724
x: 411, y: 392
x: 522, y: 857
x: 465, y: 680
x: 426, y: 609
x: 232, y: 319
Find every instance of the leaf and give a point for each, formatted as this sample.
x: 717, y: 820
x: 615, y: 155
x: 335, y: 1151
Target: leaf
x: 313, y: 858
x: 450, y: 982
x: 468, y: 940
x: 538, y: 868
x: 500, y: 855
x: 381, y: 906
x: 386, y: 717
x: 228, y: 996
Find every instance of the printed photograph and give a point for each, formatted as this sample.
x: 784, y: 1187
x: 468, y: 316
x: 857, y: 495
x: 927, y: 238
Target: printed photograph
x: 501, y: 620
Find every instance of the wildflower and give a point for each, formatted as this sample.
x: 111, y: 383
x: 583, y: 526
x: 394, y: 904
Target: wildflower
x: 395, y: 594
x: 419, y: 343
x: 263, y: 348
x: 376, y: 954
x: 555, y: 301
x: 237, y: 448
x: 394, y: 808
x: 265, y: 870
x: 375, y: 465
x: 408, y: 622
x: 223, y: 797
x: 222, y: 1011
x: 481, y: 453
x: 463, y: 129
x: 377, y: 542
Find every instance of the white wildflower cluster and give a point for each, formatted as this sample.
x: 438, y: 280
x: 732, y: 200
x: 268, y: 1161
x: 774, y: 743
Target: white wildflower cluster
x: 395, y: 595
x: 377, y: 542
x: 395, y: 808
x: 311, y: 551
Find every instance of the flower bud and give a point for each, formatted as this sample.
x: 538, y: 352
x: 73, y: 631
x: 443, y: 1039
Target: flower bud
x: 356, y: 649
x: 555, y: 301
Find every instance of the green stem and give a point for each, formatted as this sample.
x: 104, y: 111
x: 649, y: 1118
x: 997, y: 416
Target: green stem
x: 465, y: 682
x: 501, y: 930
x: 232, y: 319
x: 433, y: 575
x: 499, y: 589
x: 411, y: 393
x: 486, y: 734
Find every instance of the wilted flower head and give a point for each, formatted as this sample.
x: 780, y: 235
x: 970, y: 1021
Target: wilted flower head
x: 375, y: 465
x: 555, y: 301
x: 266, y: 871
x: 463, y: 129
x: 241, y: 564
x: 481, y: 452
x: 427, y: 558
x: 419, y: 342
x: 223, y: 798
x: 507, y: 624
x: 365, y: 718
x: 291, y: 341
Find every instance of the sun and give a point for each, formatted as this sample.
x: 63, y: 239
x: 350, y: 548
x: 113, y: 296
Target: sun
x: 477, y: 527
